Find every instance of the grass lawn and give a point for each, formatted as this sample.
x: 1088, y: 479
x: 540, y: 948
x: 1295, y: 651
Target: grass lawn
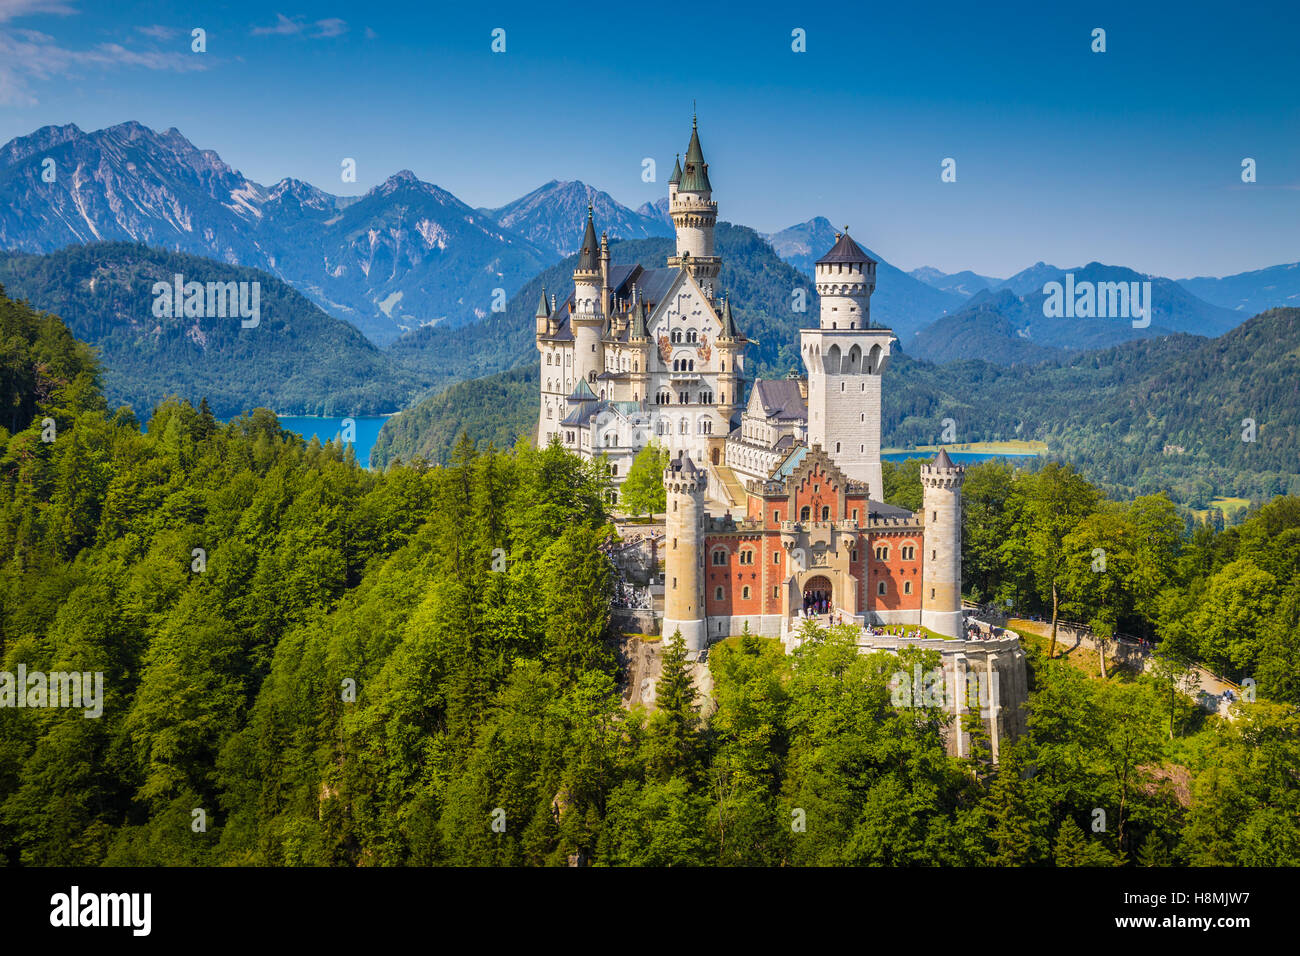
x: 1226, y: 505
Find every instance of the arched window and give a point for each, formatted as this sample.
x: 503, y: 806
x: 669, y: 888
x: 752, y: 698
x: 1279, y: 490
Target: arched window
x: 720, y: 556
x: 907, y: 587
x: 826, y: 513
x: 717, y: 594
x: 882, y: 552
x: 805, y: 513
x: 684, y: 427
x: 881, y: 588
x: 745, y: 593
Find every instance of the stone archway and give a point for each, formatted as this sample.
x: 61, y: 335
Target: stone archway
x: 818, y: 594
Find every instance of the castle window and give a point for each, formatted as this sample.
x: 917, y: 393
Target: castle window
x: 684, y: 427
x: 776, y: 592
x: 747, y: 556
x: 593, y: 346
x: 776, y: 558
x: 862, y: 448
x: 548, y: 358
x: 909, y: 552
x: 882, y: 588
x: 934, y: 516
x: 745, y: 593
x: 907, y: 587
x: 720, y: 556
x: 776, y: 519
x: 826, y: 513
x: 932, y: 593
x: 842, y: 386
x: 550, y: 412
x: 855, y: 514
x: 614, y: 472
x: 805, y: 513
x: 853, y: 554
x: 837, y: 448
x: 717, y: 594
x: 882, y: 552
x: 862, y: 417
x: 862, y: 387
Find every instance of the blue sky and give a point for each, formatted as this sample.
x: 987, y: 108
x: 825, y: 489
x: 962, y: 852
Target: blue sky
x: 1131, y: 157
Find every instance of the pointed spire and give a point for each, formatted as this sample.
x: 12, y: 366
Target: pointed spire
x: 544, y: 306
x: 696, y: 176
x: 676, y: 177
x: 942, y: 460
x: 589, y: 260
x: 729, y: 330
x: 639, y: 318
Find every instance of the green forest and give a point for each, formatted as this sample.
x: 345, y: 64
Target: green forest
x: 306, y: 663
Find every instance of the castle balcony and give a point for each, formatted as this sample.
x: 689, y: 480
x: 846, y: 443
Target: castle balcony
x: 684, y: 377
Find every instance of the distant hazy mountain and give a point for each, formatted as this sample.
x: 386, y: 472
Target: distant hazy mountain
x: 297, y: 360
x: 1031, y: 279
x: 656, y: 210
x: 405, y: 254
x: 553, y: 217
x: 1004, y: 328
x: 965, y: 283
x: 1250, y: 292
x: 900, y: 302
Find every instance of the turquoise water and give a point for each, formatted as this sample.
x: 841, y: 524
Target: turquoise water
x: 328, y: 429
x: 961, y: 457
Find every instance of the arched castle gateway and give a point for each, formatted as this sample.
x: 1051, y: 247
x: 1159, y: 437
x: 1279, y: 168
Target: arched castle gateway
x: 775, y: 506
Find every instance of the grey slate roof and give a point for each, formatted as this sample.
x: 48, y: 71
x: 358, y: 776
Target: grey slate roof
x: 845, y: 250
x: 781, y: 398
x: 942, y: 460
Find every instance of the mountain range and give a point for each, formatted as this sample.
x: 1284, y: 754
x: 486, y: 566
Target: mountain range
x: 554, y: 215
x: 1006, y: 328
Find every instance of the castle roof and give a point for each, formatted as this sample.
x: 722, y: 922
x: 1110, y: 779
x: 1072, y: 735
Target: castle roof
x: 676, y: 177
x: 582, y: 392
x: 683, y: 464
x: 782, y: 399
x: 544, y: 306
x: 844, y: 250
x: 696, y: 176
x: 942, y: 460
x: 589, y: 259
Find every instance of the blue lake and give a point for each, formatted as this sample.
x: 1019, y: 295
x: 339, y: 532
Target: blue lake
x: 329, y: 429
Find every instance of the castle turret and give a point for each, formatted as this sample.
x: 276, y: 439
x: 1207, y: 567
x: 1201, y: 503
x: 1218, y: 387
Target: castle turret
x: 588, y: 315
x: 731, y: 346
x: 941, y: 563
x: 685, y: 485
x: 675, y: 179
x: 543, y: 315
x: 845, y: 359
x: 694, y: 214
x: 638, y: 341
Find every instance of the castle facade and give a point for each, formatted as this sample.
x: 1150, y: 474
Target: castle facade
x: 775, y: 508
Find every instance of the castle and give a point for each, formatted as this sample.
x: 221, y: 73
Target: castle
x: 774, y: 508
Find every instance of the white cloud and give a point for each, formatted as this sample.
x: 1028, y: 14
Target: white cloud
x: 284, y: 26
x: 28, y: 56
x: 159, y: 32
x: 13, y: 9
x: 332, y: 27
x: 293, y: 26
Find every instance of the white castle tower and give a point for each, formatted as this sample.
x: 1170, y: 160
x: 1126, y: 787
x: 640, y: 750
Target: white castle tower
x: 845, y: 358
x: 694, y: 214
x: 588, y: 316
x: 685, y: 485
x: 941, y: 563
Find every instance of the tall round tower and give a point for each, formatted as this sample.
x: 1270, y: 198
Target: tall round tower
x: 694, y: 214
x: 941, y: 563
x: 845, y: 358
x: 588, y: 308
x: 685, y: 485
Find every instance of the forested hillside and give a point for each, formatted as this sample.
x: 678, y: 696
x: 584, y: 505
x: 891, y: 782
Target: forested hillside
x: 297, y: 360
x: 346, y: 674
